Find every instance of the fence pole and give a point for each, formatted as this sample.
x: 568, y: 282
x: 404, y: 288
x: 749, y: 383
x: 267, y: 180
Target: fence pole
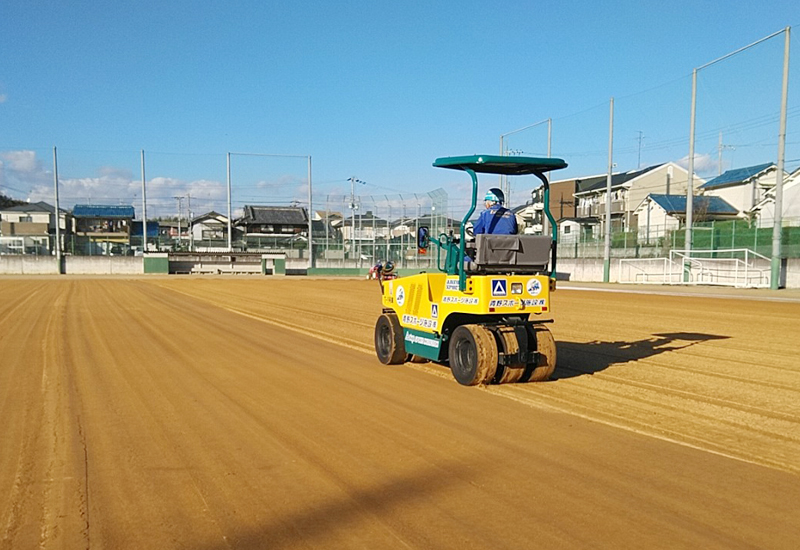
x: 776, y: 228
x: 57, y: 214
x: 607, y: 248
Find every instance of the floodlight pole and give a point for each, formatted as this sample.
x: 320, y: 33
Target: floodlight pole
x: 687, y: 245
x: 310, y: 220
x: 607, y: 246
x: 57, y: 212
x: 774, y: 280
x: 144, y: 210
x: 230, y: 242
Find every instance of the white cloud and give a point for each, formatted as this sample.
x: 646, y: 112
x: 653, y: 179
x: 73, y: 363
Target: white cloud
x: 703, y: 164
x: 21, y: 161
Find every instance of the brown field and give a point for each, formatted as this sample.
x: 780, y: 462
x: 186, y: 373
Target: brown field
x: 249, y: 412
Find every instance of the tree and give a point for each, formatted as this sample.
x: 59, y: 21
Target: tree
x: 6, y: 201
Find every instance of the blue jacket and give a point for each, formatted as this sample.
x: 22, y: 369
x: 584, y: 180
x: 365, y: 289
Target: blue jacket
x: 496, y: 220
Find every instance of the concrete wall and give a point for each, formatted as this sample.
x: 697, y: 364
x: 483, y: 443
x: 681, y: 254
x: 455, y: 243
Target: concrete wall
x: 103, y: 265
x: 28, y: 265
x: 793, y: 273
x: 581, y: 270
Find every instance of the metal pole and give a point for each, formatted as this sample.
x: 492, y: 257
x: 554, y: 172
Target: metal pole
x: 144, y: 209
x: 607, y: 247
x: 388, y: 227
x: 774, y: 281
x: 690, y: 177
x: 327, y: 230
x: 502, y: 180
x: 353, y: 217
x: 416, y: 227
x: 57, y: 212
x: 310, y: 218
x: 230, y: 242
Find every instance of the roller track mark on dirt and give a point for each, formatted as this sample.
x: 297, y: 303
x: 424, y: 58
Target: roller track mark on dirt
x: 47, y: 501
x: 300, y: 329
x: 683, y: 431
x: 139, y: 403
x: 208, y: 429
x: 554, y: 403
x: 294, y: 309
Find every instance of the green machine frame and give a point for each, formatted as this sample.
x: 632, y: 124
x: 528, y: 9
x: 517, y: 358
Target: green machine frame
x: 493, y: 164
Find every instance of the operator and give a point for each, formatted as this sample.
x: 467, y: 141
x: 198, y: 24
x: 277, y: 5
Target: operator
x: 496, y: 219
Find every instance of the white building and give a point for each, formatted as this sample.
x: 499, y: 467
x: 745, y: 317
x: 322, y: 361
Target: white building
x: 790, y: 203
x: 657, y: 215
x: 31, y: 228
x: 742, y: 188
x: 628, y: 190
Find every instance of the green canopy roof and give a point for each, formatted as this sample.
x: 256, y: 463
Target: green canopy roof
x: 495, y: 164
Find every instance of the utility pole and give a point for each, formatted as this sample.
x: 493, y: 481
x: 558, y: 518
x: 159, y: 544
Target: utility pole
x: 720, y: 148
x: 57, y: 211
x: 180, y: 210
x: 354, y: 206
x: 189, y: 220
x: 639, y: 159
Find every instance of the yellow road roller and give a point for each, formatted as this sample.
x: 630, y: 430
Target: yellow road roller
x: 484, y: 312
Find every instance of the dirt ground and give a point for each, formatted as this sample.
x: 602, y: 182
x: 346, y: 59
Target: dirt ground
x: 251, y: 412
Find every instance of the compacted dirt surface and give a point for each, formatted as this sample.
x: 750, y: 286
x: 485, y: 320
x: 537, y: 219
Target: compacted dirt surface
x: 251, y: 412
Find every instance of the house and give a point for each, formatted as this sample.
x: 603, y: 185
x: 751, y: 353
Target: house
x: 281, y: 224
x: 153, y: 231
x: 564, y: 208
x: 368, y: 227
x: 659, y: 214
x: 209, y: 229
x: 628, y: 190
x: 764, y: 210
x: 437, y: 225
x: 104, y: 229
x: 326, y: 225
x: 31, y: 228
x: 742, y: 187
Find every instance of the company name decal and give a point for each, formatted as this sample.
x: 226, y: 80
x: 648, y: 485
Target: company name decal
x: 467, y: 300
x: 414, y: 339
x: 513, y: 303
x: 423, y: 322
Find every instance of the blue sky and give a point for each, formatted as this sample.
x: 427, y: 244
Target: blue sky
x: 375, y: 90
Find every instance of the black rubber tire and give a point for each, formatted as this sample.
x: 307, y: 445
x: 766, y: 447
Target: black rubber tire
x: 389, y: 346
x: 546, y: 363
x: 473, y: 355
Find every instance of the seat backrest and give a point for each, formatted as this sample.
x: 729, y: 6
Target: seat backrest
x: 512, y: 252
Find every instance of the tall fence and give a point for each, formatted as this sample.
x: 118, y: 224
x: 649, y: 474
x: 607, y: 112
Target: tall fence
x: 735, y: 126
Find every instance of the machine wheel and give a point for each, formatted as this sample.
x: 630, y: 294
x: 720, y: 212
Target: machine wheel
x: 546, y: 363
x: 508, y: 374
x: 473, y: 355
x: 389, y: 344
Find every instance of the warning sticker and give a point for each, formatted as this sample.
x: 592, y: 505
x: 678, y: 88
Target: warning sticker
x: 499, y: 287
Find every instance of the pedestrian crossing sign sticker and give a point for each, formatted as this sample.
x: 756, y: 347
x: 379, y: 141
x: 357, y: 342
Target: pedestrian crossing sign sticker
x: 499, y: 287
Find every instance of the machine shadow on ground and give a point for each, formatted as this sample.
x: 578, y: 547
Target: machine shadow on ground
x: 317, y: 526
x: 582, y: 358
